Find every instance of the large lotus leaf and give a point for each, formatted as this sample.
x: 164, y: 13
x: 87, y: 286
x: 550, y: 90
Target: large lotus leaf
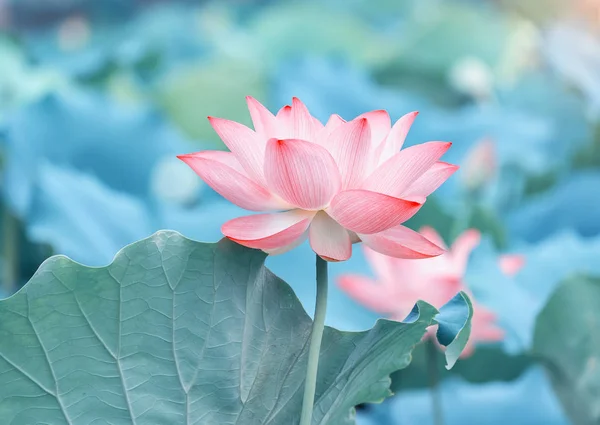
x: 181, y: 332
x: 566, y: 338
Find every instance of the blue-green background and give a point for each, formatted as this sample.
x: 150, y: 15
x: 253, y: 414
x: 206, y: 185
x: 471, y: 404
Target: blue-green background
x: 97, y: 98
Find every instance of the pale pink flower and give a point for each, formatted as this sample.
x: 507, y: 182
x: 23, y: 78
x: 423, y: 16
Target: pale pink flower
x: 511, y: 264
x: 480, y: 165
x: 335, y: 184
x: 400, y: 283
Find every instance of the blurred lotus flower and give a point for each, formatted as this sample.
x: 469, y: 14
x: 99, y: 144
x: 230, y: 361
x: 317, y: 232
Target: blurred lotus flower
x: 511, y: 264
x: 74, y: 33
x: 479, y: 166
x: 401, y: 283
x: 340, y: 183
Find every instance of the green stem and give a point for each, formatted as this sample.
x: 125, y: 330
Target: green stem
x: 10, y: 252
x: 310, y: 384
x: 432, y: 368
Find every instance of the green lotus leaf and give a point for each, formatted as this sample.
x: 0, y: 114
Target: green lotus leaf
x: 181, y: 332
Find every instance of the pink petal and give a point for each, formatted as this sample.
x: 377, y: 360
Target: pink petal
x: 380, y: 124
x: 349, y: 145
x: 334, y: 122
x: 431, y: 234
x: 402, y: 242
x: 223, y: 172
x: 431, y: 179
x: 328, y: 239
x: 285, y: 126
x: 511, y: 264
x: 382, y: 265
x: 302, y: 173
x: 462, y: 247
x: 289, y: 247
x: 247, y: 146
x: 264, y: 121
x: 368, y: 293
x: 268, y: 231
x: 303, y: 121
x: 480, y: 164
x: 396, y: 175
x: 484, y: 327
x: 285, y: 113
x: 367, y: 212
x: 397, y: 135
x: 322, y: 137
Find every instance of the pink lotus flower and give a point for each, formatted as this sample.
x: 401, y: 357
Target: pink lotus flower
x: 400, y: 283
x: 336, y: 184
x: 511, y: 264
x: 480, y: 165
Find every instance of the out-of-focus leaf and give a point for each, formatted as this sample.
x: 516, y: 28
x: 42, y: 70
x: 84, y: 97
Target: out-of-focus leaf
x: 466, y: 31
x: 486, y: 364
x: 538, y: 10
x: 118, y: 145
x: 527, y: 401
x: 19, y: 82
x: 294, y: 29
x: 323, y: 85
x: 176, y: 331
x: 215, y: 88
x: 76, y: 214
x: 566, y: 338
x: 568, y: 205
x: 518, y: 300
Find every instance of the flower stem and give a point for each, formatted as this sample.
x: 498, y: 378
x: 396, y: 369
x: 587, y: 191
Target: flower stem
x: 310, y: 384
x: 10, y: 252
x: 432, y: 368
